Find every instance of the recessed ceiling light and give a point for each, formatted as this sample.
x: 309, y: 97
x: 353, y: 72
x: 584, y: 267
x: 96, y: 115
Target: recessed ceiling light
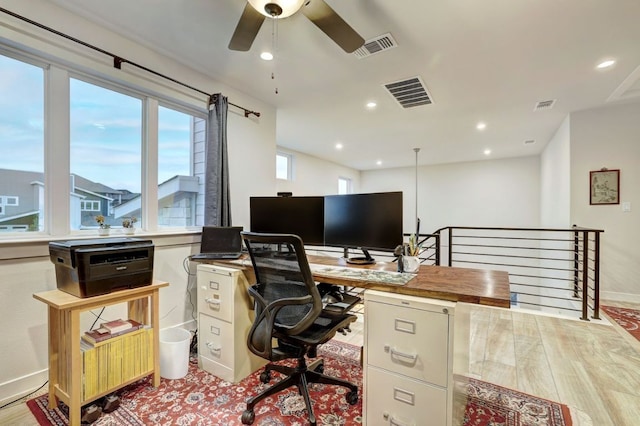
x: 371, y: 105
x: 606, y: 64
x: 267, y: 56
x: 379, y: 162
x: 338, y: 146
x: 487, y: 152
x: 481, y: 126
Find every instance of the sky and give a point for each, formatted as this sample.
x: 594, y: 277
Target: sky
x: 106, y: 130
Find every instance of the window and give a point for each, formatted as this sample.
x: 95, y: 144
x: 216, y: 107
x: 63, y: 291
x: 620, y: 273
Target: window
x: 106, y: 153
x: 284, y: 166
x: 344, y: 185
x: 107, y: 163
x: 178, y: 135
x: 22, y: 145
x: 7, y: 201
x: 90, y: 206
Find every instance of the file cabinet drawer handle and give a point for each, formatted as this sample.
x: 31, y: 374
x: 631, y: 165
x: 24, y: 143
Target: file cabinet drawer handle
x: 212, y: 301
x: 393, y: 421
x: 394, y: 352
x: 214, y: 347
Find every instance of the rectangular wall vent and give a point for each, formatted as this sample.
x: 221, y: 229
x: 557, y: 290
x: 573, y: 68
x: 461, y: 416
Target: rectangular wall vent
x: 376, y: 45
x: 409, y: 93
x: 544, y: 105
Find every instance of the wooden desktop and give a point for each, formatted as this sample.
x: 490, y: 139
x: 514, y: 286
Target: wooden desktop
x: 477, y: 286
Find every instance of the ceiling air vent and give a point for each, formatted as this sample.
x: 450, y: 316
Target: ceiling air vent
x: 409, y: 93
x: 544, y: 105
x: 376, y: 45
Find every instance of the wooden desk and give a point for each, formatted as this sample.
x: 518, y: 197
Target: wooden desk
x: 65, y: 357
x: 477, y: 286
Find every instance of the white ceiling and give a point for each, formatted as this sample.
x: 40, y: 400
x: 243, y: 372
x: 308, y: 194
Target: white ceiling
x: 489, y: 61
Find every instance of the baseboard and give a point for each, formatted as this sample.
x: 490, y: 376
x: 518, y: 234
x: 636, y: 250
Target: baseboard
x: 619, y: 297
x: 22, y: 386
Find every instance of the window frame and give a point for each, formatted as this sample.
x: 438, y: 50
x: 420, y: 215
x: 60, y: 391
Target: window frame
x: 83, y: 204
x: 59, y: 66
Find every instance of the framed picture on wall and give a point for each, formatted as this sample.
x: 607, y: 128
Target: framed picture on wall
x: 604, y: 187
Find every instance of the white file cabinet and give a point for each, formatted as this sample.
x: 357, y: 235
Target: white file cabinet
x: 408, y: 360
x: 225, y: 315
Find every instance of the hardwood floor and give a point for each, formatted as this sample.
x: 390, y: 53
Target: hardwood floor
x: 594, y: 367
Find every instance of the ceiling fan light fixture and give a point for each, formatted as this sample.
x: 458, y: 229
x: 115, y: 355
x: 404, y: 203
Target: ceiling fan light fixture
x: 270, y: 8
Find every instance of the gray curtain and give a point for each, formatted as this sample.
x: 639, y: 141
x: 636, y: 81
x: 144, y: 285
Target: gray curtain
x: 217, y: 203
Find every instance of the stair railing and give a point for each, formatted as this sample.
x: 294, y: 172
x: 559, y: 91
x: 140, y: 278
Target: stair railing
x: 554, y: 270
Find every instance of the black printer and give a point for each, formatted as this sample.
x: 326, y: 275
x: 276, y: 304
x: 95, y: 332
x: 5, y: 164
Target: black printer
x: 88, y: 268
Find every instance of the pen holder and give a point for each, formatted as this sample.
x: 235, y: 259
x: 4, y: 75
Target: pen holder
x: 410, y: 263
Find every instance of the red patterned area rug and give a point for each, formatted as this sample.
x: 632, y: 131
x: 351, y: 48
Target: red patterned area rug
x: 202, y: 399
x: 629, y: 319
x: 493, y: 405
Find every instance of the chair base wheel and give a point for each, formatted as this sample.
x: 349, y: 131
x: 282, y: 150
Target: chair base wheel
x: 248, y: 417
x: 265, y: 376
x: 352, y: 398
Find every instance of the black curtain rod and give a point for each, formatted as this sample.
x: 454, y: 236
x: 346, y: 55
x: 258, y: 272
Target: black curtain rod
x: 118, y: 61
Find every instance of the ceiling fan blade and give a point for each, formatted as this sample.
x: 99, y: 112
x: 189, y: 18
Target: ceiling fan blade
x: 247, y: 29
x: 325, y: 18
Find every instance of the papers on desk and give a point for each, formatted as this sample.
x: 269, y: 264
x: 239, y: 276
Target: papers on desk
x: 361, y: 274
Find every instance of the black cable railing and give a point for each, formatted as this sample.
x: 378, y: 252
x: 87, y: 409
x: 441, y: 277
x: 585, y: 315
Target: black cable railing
x: 554, y: 270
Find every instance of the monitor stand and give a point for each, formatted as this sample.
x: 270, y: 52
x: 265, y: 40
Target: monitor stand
x: 366, y: 260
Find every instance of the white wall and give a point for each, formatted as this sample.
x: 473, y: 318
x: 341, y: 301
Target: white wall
x: 555, y: 180
x: 313, y: 176
x: 483, y: 193
x: 610, y: 137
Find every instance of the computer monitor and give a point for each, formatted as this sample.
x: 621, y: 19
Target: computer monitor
x: 364, y: 221
x: 301, y: 216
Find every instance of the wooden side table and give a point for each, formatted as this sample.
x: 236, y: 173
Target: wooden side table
x: 65, y: 356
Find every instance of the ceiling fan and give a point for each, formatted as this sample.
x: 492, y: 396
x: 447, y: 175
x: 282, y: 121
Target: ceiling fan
x: 318, y: 12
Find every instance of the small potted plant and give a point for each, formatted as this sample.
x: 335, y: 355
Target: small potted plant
x: 127, y: 225
x: 411, y: 261
x: 103, y: 228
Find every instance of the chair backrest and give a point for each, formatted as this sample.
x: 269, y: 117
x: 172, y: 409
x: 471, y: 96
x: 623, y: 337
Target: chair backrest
x: 284, y: 284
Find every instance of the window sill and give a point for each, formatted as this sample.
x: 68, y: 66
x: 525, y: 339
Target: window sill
x: 18, y: 247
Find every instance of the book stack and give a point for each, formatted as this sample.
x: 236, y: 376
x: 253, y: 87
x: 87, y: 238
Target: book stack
x: 117, y: 360
x: 109, y: 330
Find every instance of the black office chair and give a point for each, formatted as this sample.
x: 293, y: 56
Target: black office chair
x: 288, y: 308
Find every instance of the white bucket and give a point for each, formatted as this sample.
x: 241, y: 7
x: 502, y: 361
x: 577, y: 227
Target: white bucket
x: 174, y: 352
